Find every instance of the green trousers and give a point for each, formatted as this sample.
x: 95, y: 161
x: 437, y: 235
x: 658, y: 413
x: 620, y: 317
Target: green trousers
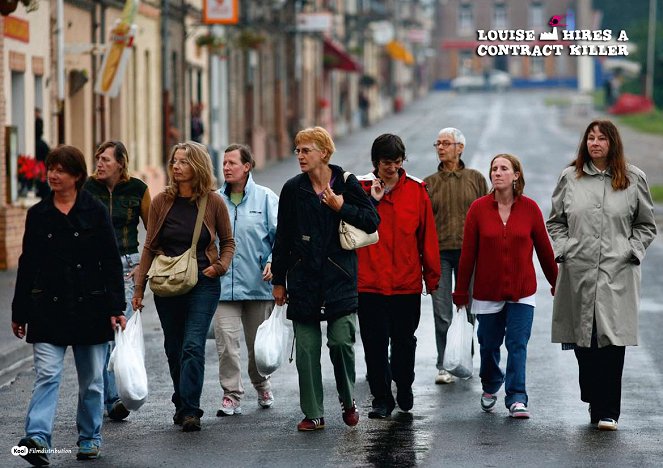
x: 340, y: 341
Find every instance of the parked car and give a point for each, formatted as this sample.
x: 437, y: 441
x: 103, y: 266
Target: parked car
x: 497, y: 81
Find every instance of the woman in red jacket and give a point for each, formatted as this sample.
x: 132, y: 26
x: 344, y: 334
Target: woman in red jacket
x: 501, y: 231
x: 390, y: 274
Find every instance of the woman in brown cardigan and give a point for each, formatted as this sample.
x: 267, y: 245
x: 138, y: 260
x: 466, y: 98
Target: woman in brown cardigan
x: 185, y: 319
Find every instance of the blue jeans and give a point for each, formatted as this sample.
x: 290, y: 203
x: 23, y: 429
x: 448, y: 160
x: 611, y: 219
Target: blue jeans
x: 185, y: 321
x: 110, y: 391
x: 512, y: 325
x: 49, y: 363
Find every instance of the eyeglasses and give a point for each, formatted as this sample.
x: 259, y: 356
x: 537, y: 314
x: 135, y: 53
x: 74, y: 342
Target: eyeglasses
x: 306, y: 151
x: 444, y: 144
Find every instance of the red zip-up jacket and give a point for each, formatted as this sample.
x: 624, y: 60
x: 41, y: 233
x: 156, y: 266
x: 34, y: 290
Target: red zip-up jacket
x: 500, y: 256
x: 408, y: 242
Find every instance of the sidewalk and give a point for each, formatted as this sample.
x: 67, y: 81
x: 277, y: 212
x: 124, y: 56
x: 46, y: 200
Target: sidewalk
x: 12, y: 350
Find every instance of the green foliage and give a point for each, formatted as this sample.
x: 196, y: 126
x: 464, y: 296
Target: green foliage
x: 633, y: 17
x: 657, y: 193
x: 651, y: 122
x: 618, y: 14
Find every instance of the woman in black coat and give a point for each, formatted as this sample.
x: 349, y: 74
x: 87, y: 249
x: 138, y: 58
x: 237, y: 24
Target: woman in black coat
x: 69, y: 292
x: 321, y: 276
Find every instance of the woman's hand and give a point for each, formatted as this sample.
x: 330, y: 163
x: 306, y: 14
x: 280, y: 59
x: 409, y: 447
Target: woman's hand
x: 137, y: 303
x: 133, y: 272
x: 18, y: 329
x: 120, y: 320
x: 280, y: 294
x: 333, y: 201
x: 267, y: 272
x: 377, y: 189
x: 210, y: 272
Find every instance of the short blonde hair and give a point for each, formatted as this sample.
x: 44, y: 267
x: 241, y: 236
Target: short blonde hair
x: 201, y: 164
x: 519, y: 187
x: 318, y: 136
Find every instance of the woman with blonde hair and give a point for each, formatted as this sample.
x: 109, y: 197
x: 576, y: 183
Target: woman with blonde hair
x: 501, y: 232
x: 315, y: 275
x: 186, y: 318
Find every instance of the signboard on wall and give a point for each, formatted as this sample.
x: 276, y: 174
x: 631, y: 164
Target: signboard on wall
x: 118, y: 52
x: 17, y: 28
x: 220, y: 11
x: 314, y: 22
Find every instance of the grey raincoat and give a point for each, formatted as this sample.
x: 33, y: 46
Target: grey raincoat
x: 599, y: 238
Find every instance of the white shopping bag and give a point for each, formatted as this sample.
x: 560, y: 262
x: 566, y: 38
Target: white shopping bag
x: 128, y: 362
x: 458, y: 353
x: 271, y: 341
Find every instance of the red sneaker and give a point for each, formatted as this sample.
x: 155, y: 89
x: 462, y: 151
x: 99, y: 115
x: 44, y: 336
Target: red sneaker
x: 351, y: 415
x: 311, y: 424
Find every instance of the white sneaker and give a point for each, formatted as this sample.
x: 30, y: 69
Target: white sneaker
x: 607, y: 424
x: 266, y: 398
x: 229, y: 407
x: 443, y: 377
x: 518, y: 410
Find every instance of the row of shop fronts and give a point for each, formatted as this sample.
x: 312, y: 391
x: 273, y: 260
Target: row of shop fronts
x: 285, y: 65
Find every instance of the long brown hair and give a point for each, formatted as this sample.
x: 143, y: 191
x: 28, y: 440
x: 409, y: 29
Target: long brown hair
x: 201, y: 163
x: 519, y: 183
x: 616, y: 159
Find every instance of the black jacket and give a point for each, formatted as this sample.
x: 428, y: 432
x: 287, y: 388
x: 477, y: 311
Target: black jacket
x: 69, y: 278
x: 321, y: 277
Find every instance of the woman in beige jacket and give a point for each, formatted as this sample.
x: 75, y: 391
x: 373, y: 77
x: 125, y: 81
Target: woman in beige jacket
x: 601, y: 222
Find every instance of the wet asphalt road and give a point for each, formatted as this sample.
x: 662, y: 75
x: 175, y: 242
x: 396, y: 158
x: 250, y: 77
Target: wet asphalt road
x: 446, y: 426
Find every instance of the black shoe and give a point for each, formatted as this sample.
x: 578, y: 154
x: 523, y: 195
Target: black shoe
x: 405, y: 399
x: 118, y: 412
x: 191, y: 424
x: 178, y: 418
x: 379, y: 412
x: 33, y: 457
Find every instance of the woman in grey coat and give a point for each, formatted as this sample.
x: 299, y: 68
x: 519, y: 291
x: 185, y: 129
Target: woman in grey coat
x: 601, y: 222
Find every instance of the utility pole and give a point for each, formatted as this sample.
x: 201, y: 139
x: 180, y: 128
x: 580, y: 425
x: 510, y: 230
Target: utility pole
x: 165, y: 78
x: 651, y: 45
x: 585, y: 62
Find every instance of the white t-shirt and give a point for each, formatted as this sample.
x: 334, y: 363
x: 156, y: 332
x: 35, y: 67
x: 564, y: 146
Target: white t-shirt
x: 493, y: 307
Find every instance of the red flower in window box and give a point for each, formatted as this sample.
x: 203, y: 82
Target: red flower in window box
x: 30, y: 170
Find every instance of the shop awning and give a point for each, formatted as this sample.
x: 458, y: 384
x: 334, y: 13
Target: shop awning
x: 397, y: 51
x: 337, y: 58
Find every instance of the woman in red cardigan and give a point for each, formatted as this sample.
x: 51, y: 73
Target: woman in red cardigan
x: 501, y: 230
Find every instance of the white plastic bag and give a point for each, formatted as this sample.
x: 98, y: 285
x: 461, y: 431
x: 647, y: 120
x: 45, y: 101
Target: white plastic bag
x: 458, y: 352
x: 128, y: 362
x: 271, y: 341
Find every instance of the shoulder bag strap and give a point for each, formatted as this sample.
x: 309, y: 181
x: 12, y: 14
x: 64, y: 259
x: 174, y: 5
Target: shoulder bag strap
x: 199, y: 224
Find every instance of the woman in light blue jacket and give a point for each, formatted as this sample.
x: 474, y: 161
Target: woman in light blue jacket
x: 246, y: 293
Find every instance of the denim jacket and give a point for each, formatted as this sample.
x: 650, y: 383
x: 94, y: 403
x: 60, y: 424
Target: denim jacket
x: 253, y: 224
x: 124, y: 204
